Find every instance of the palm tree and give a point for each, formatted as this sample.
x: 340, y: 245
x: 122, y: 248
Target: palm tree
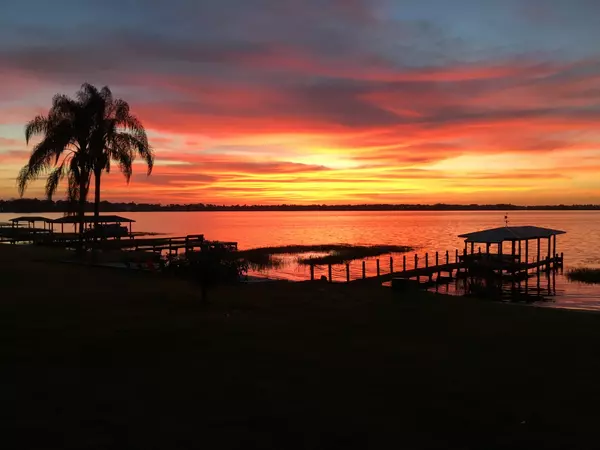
x: 117, y: 135
x: 80, y: 138
x: 62, y: 152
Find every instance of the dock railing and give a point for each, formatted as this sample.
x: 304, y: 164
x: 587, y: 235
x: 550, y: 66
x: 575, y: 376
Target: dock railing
x: 445, y: 264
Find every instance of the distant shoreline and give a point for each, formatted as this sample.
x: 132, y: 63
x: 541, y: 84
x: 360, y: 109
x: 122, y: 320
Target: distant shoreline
x: 46, y: 206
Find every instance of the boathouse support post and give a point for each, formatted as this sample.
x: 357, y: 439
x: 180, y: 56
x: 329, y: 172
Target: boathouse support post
x: 447, y: 257
x: 404, y: 263
x: 538, y: 253
x: 554, y: 246
x: 472, y: 247
x: 426, y: 259
x: 512, y: 248
x: 526, y: 251
x: 456, y: 256
x: 416, y: 261
x: 487, y: 248
x: 436, y: 259
x: 364, y: 269
x: 391, y: 265
x: 549, y: 253
x: 500, y: 248
x: 312, y: 272
x: 378, y: 272
x: 347, y: 273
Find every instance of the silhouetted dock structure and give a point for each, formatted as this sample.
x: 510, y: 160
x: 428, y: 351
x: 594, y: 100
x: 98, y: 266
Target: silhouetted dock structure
x: 512, y: 263
x: 108, y: 233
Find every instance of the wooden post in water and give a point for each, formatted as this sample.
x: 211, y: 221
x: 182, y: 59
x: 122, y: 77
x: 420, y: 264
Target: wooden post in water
x: 549, y: 253
x: 364, y: 268
x: 329, y: 270
x: 426, y: 260
x: 456, y: 256
x: 377, y: 266
x: 538, y: 254
x: 391, y: 265
x: 312, y: 272
x: 416, y: 261
x: 526, y: 251
x: 437, y: 259
x: 447, y: 257
x: 347, y: 273
x: 403, y: 263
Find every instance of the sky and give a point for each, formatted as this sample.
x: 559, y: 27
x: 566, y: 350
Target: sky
x: 323, y: 101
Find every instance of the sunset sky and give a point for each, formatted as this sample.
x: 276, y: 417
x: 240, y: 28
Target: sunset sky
x: 324, y: 101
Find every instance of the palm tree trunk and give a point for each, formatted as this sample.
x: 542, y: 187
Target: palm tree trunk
x: 97, y: 174
x: 81, y: 212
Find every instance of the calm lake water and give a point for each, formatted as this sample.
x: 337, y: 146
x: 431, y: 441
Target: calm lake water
x: 428, y: 232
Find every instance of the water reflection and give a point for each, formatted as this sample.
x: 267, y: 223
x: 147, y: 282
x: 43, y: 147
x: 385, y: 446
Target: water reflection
x: 536, y: 286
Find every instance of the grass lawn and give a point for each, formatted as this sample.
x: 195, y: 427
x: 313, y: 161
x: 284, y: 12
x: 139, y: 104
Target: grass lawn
x: 96, y: 358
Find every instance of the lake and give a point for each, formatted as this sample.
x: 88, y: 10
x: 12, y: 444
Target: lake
x: 428, y: 232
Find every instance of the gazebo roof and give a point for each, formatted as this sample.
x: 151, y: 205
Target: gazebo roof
x: 501, y: 234
x: 31, y: 219
x: 91, y: 219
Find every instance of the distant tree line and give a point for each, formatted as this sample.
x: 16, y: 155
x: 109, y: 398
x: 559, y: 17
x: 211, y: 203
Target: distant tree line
x: 24, y: 205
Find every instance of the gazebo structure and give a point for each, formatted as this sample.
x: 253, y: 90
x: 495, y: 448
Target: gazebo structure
x: 108, y: 220
x: 31, y: 221
x: 516, y: 236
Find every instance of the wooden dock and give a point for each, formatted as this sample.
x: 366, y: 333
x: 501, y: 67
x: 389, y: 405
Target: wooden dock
x: 441, y: 268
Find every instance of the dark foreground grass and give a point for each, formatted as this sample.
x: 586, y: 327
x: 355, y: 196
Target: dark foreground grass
x: 263, y: 257
x: 585, y: 275
x: 102, y: 359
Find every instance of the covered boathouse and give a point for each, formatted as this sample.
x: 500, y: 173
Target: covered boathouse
x: 517, y: 257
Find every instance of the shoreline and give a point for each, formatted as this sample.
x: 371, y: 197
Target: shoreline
x: 106, y: 357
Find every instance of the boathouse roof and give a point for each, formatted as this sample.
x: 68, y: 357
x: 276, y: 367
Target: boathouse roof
x: 91, y: 219
x: 501, y: 234
x: 31, y: 219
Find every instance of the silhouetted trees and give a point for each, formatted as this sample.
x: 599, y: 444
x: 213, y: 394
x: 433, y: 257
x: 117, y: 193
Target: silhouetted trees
x: 35, y: 205
x: 79, y: 138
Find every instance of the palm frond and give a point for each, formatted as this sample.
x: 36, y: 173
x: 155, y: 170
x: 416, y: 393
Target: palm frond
x: 53, y: 180
x: 38, y: 125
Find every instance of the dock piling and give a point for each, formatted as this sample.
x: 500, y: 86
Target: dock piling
x: 347, y: 273
x: 378, y: 272
x: 391, y: 265
x: 364, y: 269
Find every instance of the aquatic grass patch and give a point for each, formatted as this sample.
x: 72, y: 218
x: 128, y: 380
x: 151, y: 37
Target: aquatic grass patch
x: 265, y: 257
x: 346, y: 254
x: 585, y: 275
